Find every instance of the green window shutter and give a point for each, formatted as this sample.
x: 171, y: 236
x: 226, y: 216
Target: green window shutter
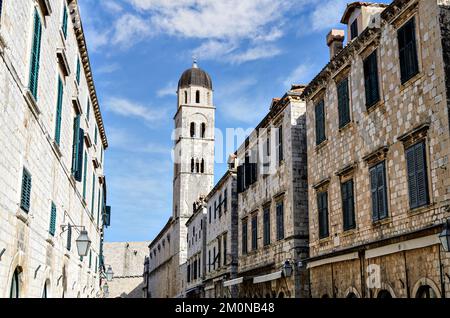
x: 374, y: 192
x: 26, y: 191
x: 35, y: 55
x: 78, y: 71
x: 69, y: 238
x: 320, y: 122
x: 322, y: 206
x: 382, y: 198
x: 88, y: 109
x: 93, y: 194
x: 64, y: 22
x: 75, y: 145
x: 417, y: 175
x: 52, y: 228
x: 59, y: 112
x: 343, y: 103
x: 371, y: 79
x: 348, y: 205
x: 84, y: 175
x: 98, y: 206
x: 409, y: 65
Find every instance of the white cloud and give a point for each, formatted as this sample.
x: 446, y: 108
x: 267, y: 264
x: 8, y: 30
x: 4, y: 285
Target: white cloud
x: 302, y: 74
x: 126, y: 108
x: 96, y: 38
x: 107, y: 68
x: 255, y: 53
x: 169, y: 90
x: 130, y: 29
x: 327, y: 14
x: 112, y: 6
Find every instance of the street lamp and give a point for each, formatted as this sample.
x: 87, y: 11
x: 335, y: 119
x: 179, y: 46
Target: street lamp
x: 109, y: 274
x: 287, y: 269
x: 83, y: 243
x: 445, y: 236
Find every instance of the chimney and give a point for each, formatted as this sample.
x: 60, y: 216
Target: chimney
x: 335, y: 41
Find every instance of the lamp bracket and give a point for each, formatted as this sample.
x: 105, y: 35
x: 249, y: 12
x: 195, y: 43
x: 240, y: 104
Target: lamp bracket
x: 65, y: 227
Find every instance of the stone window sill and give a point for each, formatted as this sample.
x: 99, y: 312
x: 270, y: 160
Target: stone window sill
x: 382, y: 222
x: 347, y: 126
x: 411, y: 81
x: 421, y: 209
x: 57, y: 149
x: 32, y: 103
x: 379, y: 104
x: 321, y: 145
x: 50, y: 240
x: 23, y: 216
x: 2, y: 44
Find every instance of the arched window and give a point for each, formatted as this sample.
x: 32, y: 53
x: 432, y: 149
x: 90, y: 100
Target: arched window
x: 351, y: 295
x: 192, y: 165
x: 384, y: 294
x: 197, y: 97
x: 192, y: 130
x: 185, y: 97
x: 426, y: 291
x: 15, y: 284
x: 203, y: 130
x: 197, y: 166
x: 202, y: 166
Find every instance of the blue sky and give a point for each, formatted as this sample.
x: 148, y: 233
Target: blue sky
x: 253, y: 50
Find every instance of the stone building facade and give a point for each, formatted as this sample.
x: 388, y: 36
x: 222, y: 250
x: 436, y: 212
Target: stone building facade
x: 196, y: 260
x: 193, y: 178
x: 273, y: 204
x: 221, y: 248
x: 53, y: 141
x: 126, y: 259
x: 378, y: 155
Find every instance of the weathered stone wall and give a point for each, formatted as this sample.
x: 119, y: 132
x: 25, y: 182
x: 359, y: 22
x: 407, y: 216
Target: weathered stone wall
x: 26, y: 140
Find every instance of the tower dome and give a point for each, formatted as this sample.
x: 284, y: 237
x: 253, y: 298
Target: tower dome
x: 195, y: 76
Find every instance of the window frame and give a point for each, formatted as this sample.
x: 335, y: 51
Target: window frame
x: 254, y: 223
x: 379, y: 215
x: 348, y: 194
x: 405, y: 76
x: 322, y: 207
x: 266, y: 226
x: 425, y: 184
x: 371, y: 101
x: 321, y: 135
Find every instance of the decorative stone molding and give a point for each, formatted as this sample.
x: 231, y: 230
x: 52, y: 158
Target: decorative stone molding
x: 376, y: 156
x: 322, y: 184
x: 416, y: 134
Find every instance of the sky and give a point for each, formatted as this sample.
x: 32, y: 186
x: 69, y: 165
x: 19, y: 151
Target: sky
x: 253, y: 50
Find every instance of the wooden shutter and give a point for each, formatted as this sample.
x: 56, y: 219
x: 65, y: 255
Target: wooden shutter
x: 371, y: 79
x: 343, y: 103
x: 320, y: 122
x: 348, y: 205
x: 93, y: 194
x: 26, y: 191
x: 248, y: 172
x: 52, y: 227
x: 75, y: 145
x: 35, y: 55
x: 80, y: 151
x: 240, y: 177
x: 354, y: 29
x: 59, y: 112
x: 412, y: 182
x: 64, y: 22
x: 84, y: 175
x: 280, y: 144
x: 374, y: 192
x: 407, y: 51
x: 382, y: 191
x: 421, y: 174
x: 78, y: 71
x: 322, y: 204
x: 280, y: 221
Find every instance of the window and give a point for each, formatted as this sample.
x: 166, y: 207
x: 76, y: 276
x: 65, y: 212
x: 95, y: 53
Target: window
x: 93, y: 194
x: 225, y: 249
x: 197, y: 166
x: 25, y: 197
x: 78, y: 71
x: 52, y: 227
x: 343, y: 103
x: 197, y: 97
x: 69, y: 237
x: 64, y: 22
x: 280, y: 220
x: 98, y: 206
x: 266, y: 226
x: 35, y: 55
x: 203, y: 130
x: 244, y: 237
x: 220, y: 206
x: 189, y: 273
x: 90, y: 258
x: 77, y: 149
x: 219, y: 251
x: 192, y: 165
x: 280, y: 144
x: 195, y: 269
x: 254, y: 232
x: 185, y: 97
x: 348, y: 205
x: 215, y: 258
x: 409, y: 65
x: 322, y: 207
x: 354, y: 29
x: 84, y: 176
x: 215, y: 210
x: 225, y: 200
x: 378, y: 191
x: 320, y: 122
x: 371, y: 79
x: 192, y: 130
x: 1, y: 5
x: 88, y: 109
x: 58, y: 112
x: 202, y: 166
x: 417, y: 175
x: 15, y: 284
x: 209, y: 215
x: 95, y: 135
x: 209, y: 260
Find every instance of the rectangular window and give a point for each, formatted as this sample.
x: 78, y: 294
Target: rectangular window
x: 78, y: 71
x: 225, y: 201
x: 88, y: 110
x: 90, y: 258
x: 64, y: 22
x: 25, y: 197
x: 215, y: 210
x: 322, y: 208
x: 93, y: 194
x: 409, y: 65
x: 244, y: 237
x: 215, y: 258
x: 84, y: 176
x: 59, y: 112
x: 195, y: 269
x: 240, y: 179
x: 254, y: 232
x: 219, y: 252
x: 52, y: 227
x: 280, y: 144
x: 354, y: 29
x: 371, y: 79
x: 96, y: 264
x: 348, y: 205
x: 417, y: 175
x: 77, y: 149
x: 220, y: 206
x: 267, y: 226
x: 378, y: 191
x: 320, y: 122
x: 35, y: 55
x: 343, y: 103
x: 98, y: 206
x: 209, y: 215
x: 280, y: 220
x: 209, y: 260
x: 225, y: 249
x: 188, y: 273
x: 95, y: 135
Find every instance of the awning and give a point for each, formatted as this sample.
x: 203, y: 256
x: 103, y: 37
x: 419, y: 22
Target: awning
x: 232, y: 282
x: 268, y: 277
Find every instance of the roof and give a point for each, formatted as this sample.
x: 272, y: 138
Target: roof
x: 354, y: 5
x: 195, y: 76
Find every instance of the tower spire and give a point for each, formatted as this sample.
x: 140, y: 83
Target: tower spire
x: 194, y: 62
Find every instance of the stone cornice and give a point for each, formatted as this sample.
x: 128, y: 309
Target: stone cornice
x: 79, y: 34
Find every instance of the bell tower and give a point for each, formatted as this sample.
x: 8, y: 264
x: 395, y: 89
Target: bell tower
x: 193, y: 147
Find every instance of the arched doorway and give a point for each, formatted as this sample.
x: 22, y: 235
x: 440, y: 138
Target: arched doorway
x: 384, y: 294
x: 352, y: 295
x: 325, y: 296
x: 426, y: 291
x: 281, y: 295
x: 15, y: 284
